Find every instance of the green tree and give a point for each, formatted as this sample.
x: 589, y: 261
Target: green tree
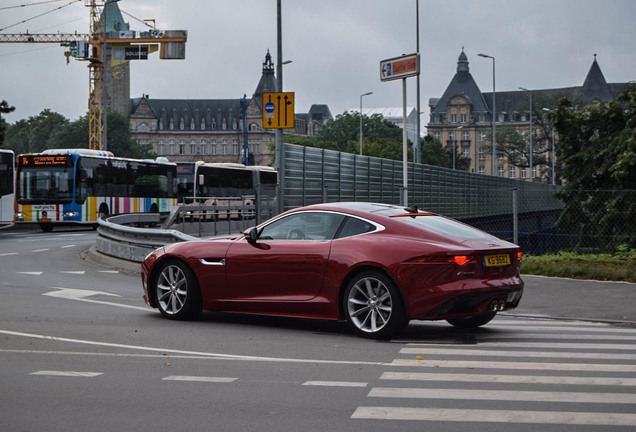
x: 433, y: 153
x: 32, y: 135
x: 121, y: 143
x: 380, y: 138
x: 597, y: 147
x: 4, y: 109
x: 51, y: 130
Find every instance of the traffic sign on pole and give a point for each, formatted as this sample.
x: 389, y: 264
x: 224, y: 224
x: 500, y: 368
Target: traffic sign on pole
x: 278, y: 110
x: 400, y: 67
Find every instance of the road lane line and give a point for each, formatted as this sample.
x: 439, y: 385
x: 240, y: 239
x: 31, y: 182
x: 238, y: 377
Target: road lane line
x: 503, y: 395
x: 194, y: 353
x: 68, y: 373
x: 580, y: 367
x: 508, y: 379
x: 494, y: 416
x: 199, y: 379
x: 467, y: 351
x: 335, y: 384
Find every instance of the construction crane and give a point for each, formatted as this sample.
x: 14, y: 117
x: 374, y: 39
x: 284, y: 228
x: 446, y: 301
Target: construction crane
x: 91, y: 47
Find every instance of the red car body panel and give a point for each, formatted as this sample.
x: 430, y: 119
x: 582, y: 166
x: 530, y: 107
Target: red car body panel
x: 306, y: 278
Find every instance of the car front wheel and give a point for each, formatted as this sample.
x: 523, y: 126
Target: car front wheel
x: 177, y: 291
x: 373, y: 306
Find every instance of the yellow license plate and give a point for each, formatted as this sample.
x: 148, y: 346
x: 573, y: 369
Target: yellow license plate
x: 44, y: 220
x: 499, y: 260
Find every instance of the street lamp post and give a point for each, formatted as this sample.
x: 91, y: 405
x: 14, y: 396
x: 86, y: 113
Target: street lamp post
x: 553, y: 150
x: 494, y: 117
x: 531, y: 147
x: 365, y: 94
x: 454, y: 145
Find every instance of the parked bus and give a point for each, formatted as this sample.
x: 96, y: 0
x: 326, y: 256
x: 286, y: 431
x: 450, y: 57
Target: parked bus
x: 228, y: 186
x: 78, y: 186
x: 7, y: 187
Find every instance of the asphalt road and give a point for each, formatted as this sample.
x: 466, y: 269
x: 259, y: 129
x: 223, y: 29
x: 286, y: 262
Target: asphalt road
x: 81, y: 352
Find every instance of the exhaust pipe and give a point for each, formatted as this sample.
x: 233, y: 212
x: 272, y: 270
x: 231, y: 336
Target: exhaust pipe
x: 497, y: 305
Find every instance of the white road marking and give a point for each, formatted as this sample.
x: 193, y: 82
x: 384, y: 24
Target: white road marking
x: 494, y: 416
x: 503, y: 395
x: 109, y: 271
x: 68, y: 373
x: 40, y: 250
x: 194, y: 353
x: 68, y: 246
x: 508, y: 379
x: 9, y: 254
x: 30, y: 273
x: 580, y: 367
x: 466, y: 351
x: 335, y: 384
x: 77, y: 272
x: 199, y: 379
x: 75, y: 294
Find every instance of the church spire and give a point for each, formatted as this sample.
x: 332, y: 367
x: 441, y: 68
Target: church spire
x: 462, y: 62
x: 268, y: 66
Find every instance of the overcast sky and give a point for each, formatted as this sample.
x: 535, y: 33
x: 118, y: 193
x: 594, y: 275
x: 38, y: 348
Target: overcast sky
x: 335, y: 47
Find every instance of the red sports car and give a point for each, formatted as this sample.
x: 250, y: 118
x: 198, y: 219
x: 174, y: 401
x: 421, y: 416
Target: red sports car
x: 376, y: 266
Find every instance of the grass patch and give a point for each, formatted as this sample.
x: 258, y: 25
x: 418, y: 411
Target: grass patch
x: 620, y: 266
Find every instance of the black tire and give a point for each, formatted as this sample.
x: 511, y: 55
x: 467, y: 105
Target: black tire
x: 472, y: 322
x: 176, y: 291
x: 373, y: 306
x: 46, y: 227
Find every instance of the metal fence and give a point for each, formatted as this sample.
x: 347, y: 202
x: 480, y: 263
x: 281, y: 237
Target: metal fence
x: 315, y: 175
x: 518, y: 210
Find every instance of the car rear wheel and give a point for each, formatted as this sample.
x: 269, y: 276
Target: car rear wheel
x: 177, y: 291
x: 373, y: 306
x: 472, y: 322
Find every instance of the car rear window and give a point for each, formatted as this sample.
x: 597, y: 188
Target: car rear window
x: 443, y: 226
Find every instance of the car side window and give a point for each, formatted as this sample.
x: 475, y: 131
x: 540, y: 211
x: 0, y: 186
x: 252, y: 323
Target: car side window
x: 354, y: 226
x: 303, y: 226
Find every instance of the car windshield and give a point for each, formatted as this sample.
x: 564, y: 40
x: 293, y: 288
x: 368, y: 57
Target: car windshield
x: 443, y: 226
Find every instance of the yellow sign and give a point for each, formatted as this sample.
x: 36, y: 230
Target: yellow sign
x: 278, y: 110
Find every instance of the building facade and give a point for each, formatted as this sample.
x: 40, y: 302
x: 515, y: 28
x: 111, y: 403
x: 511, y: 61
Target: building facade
x: 462, y: 120
x: 211, y: 130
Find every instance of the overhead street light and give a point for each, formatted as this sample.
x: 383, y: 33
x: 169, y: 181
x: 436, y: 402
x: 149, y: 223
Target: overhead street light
x: 365, y: 94
x: 494, y: 116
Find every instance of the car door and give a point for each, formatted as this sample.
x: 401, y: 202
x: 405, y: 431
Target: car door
x: 286, y: 262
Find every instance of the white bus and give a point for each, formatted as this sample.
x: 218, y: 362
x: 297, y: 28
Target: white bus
x: 77, y: 186
x: 228, y: 186
x: 7, y: 186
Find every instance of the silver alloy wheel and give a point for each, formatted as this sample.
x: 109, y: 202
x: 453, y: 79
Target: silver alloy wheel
x: 172, y: 289
x: 369, y: 304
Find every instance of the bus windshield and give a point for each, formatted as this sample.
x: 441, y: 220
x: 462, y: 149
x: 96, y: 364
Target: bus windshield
x: 43, y: 181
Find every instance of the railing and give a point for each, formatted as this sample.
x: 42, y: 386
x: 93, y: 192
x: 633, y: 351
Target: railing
x: 133, y: 236
x: 115, y: 236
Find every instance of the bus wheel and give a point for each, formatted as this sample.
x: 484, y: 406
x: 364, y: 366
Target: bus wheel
x: 46, y: 227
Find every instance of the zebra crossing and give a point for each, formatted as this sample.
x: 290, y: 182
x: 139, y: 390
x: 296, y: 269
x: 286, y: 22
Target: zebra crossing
x: 519, y: 371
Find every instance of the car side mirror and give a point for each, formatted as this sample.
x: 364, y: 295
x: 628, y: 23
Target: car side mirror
x: 251, y: 235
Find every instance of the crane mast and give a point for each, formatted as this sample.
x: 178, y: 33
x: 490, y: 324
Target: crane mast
x: 92, y: 47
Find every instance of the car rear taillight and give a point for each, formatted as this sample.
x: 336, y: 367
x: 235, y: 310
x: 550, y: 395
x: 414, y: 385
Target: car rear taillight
x: 460, y: 260
x: 519, y: 255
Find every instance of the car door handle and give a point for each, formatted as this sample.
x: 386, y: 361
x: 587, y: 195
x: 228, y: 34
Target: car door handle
x: 313, y: 257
